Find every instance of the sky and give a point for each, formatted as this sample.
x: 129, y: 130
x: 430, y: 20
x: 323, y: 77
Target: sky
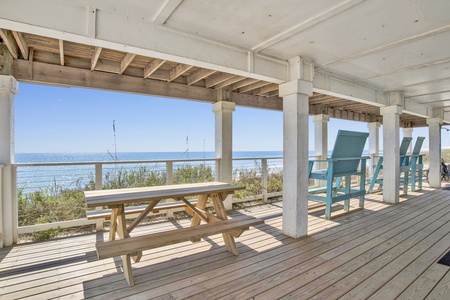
x: 51, y: 119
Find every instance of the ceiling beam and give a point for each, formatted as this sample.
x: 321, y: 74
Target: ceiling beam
x: 68, y: 76
x: 305, y: 24
x: 267, y: 89
x: 95, y: 56
x: 199, y: 75
x: 61, y: 52
x: 166, y: 10
x: 126, y: 61
x: 9, y: 41
x: 154, y: 65
x: 22, y: 43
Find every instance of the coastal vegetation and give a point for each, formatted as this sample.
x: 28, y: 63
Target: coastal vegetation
x: 58, y: 203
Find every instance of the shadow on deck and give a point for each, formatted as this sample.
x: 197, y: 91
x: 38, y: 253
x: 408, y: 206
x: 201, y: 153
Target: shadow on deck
x: 384, y: 251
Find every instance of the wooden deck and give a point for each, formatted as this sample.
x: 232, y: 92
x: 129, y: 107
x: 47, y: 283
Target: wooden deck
x: 381, y: 252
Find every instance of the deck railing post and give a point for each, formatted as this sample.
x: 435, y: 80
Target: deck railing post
x: 98, y: 180
x: 169, y: 172
x: 217, y: 174
x: 264, y: 177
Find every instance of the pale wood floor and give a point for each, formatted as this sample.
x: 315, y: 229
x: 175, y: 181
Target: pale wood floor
x: 381, y: 252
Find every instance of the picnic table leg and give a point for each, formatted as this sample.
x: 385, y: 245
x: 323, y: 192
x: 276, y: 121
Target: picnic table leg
x: 113, y: 226
x: 202, y: 199
x: 127, y: 271
x: 123, y: 233
x: 222, y: 214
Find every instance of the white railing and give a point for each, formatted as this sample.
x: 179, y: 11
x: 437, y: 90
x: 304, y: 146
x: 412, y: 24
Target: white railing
x: 35, y: 176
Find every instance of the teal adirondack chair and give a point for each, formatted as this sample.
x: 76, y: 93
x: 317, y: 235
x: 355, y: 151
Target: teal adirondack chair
x: 415, y: 163
x: 404, y: 168
x: 344, y: 162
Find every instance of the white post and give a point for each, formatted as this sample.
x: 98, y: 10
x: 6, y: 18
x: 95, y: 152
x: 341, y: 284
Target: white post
x: 224, y: 142
x: 374, y: 143
x: 8, y: 201
x: 407, y: 132
x: 295, y: 95
x: 391, y: 153
x: 321, y: 137
x: 434, y: 129
x: 169, y: 172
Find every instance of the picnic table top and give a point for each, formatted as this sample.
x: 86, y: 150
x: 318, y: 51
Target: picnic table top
x: 128, y: 195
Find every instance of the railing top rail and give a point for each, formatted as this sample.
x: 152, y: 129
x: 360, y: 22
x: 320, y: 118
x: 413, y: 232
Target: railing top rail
x: 46, y: 164
x: 258, y: 158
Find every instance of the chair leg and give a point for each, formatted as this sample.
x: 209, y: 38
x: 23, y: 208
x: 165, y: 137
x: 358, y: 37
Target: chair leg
x: 347, y: 192
x: 328, y: 210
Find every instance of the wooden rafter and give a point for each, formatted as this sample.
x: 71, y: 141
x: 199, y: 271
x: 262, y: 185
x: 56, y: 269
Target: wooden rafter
x: 218, y: 78
x: 243, y: 83
x: 253, y: 86
x: 154, y: 65
x: 229, y: 82
x: 126, y: 62
x: 199, y: 75
x: 22, y: 43
x: 61, y: 52
x: 95, y: 57
x: 9, y: 41
x: 179, y: 70
x: 266, y: 89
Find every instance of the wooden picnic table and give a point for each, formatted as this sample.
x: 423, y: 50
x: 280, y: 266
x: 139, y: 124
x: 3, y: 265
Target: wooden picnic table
x: 132, y: 247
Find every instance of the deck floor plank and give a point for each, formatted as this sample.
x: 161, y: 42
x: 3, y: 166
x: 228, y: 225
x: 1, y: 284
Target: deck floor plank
x: 381, y: 251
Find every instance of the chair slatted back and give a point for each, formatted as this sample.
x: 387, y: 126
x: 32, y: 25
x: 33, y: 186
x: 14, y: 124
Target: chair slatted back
x: 404, y: 148
x: 348, y: 144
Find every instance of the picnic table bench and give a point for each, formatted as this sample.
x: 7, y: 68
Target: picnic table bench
x: 131, y: 247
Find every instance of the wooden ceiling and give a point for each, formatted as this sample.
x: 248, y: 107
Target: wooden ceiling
x: 34, y: 57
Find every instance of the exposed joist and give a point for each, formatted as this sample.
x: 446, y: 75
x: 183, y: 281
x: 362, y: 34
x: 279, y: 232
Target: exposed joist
x: 243, y: 83
x: 61, y: 52
x: 199, y: 75
x: 9, y: 41
x: 22, y: 43
x: 217, y: 78
x: 266, y: 89
x: 126, y: 62
x: 95, y: 57
x: 154, y: 65
x: 229, y: 82
x: 253, y: 86
x: 179, y: 70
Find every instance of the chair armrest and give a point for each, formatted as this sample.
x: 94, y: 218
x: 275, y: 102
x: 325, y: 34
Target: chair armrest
x: 349, y: 158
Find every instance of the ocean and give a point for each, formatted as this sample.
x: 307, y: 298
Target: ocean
x: 32, y: 178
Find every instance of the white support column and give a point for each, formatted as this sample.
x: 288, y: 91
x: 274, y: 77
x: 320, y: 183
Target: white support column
x: 295, y: 95
x: 8, y: 201
x: 391, y: 153
x: 374, y: 143
x: 434, y: 129
x: 321, y: 137
x: 223, y: 111
x: 407, y: 132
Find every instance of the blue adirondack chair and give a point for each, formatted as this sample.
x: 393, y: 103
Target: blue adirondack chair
x: 344, y: 162
x: 415, y: 163
x: 404, y: 168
